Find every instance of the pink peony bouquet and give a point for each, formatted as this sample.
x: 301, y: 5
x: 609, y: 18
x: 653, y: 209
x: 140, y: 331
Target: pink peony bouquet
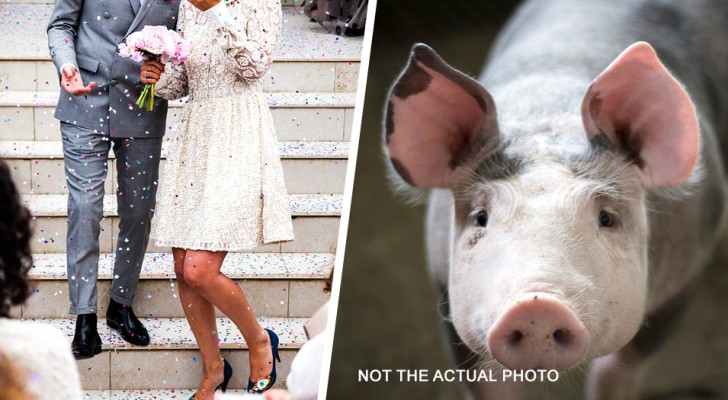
x: 154, y: 43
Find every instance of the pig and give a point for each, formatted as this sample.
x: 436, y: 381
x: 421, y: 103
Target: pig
x: 576, y: 190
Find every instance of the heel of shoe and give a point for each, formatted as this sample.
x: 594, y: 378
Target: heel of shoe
x: 228, y: 375
x: 112, y: 324
x: 274, y: 342
x: 265, y: 384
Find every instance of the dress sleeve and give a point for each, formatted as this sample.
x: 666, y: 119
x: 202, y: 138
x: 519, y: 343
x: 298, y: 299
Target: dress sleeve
x: 172, y: 85
x: 248, y: 32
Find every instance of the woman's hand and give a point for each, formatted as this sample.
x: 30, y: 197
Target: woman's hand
x: 151, y: 71
x: 204, y: 5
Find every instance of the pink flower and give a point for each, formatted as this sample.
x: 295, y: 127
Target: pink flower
x: 155, y: 42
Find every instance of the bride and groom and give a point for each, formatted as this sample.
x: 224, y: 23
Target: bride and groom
x: 225, y: 145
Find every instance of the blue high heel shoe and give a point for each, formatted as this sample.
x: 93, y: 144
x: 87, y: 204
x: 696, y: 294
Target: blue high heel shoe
x: 267, y: 382
x: 228, y: 373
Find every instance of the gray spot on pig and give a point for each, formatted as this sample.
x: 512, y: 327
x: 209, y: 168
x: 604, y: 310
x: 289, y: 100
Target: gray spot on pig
x: 428, y: 57
x: 601, y: 141
x: 414, y: 80
x: 475, y: 238
x: 500, y: 166
x: 628, y: 148
x: 389, y: 121
x: 402, y: 171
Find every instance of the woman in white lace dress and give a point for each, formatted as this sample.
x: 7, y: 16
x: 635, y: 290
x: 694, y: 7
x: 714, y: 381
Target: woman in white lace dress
x: 222, y: 189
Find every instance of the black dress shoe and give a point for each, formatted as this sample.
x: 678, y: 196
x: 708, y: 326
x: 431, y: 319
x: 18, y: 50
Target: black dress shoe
x: 122, y: 319
x: 86, y: 341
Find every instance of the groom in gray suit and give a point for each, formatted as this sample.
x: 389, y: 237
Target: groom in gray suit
x: 97, y: 112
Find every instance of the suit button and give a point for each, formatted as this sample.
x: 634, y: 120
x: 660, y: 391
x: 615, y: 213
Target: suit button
x: 113, y: 82
x: 107, y: 15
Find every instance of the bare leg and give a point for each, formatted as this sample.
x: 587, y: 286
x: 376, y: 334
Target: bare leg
x: 200, y: 315
x: 202, y: 274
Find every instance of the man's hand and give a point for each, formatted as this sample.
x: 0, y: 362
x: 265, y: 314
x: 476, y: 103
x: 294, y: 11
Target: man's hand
x: 204, y: 5
x: 151, y: 71
x: 72, y: 83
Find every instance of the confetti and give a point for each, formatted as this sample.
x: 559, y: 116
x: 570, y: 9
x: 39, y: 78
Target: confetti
x: 46, y: 188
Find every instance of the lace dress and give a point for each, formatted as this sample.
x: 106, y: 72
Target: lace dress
x: 222, y: 187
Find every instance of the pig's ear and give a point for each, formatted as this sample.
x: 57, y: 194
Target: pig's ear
x: 433, y: 119
x: 637, y: 107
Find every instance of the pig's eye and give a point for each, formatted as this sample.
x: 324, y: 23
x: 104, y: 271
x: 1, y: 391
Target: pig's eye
x: 606, y: 219
x: 482, y: 218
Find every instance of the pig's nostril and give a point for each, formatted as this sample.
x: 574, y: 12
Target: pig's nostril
x: 515, y: 337
x: 561, y: 337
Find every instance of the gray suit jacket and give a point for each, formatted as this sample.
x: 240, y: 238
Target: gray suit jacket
x: 87, y: 34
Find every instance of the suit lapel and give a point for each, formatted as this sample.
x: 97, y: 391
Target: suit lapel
x: 136, y: 5
x: 140, y: 14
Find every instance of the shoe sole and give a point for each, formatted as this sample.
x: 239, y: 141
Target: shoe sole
x: 113, y: 325
x: 97, y: 351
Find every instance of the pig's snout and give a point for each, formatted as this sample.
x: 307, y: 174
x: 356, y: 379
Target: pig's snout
x: 538, y: 331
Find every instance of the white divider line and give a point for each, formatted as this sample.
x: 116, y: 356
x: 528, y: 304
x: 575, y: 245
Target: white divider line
x: 348, y: 191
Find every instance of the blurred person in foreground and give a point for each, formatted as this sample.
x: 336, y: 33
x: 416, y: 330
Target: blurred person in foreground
x: 37, y: 349
x: 11, y: 381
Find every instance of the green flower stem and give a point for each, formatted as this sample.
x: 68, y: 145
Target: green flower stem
x: 146, y: 99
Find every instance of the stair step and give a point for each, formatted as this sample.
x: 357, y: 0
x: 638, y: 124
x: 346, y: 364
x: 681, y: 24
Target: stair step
x: 172, y: 360
x: 300, y: 149
x: 236, y: 266
x: 300, y: 40
x: 279, y: 284
x: 302, y: 205
x: 308, y: 57
x: 315, y: 225
x: 28, y: 116
x: 301, y: 176
x: 283, y: 76
x: 145, y: 394
x: 275, y: 100
x: 175, y: 334
x: 313, y: 234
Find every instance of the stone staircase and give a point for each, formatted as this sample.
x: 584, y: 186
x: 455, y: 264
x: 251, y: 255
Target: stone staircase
x: 311, y: 90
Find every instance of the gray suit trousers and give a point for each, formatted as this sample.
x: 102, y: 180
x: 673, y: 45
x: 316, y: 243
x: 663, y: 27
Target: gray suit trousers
x: 86, y: 162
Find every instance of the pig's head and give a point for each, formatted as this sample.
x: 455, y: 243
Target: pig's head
x: 549, y: 247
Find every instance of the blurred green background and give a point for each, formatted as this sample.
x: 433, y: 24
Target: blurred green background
x: 388, y: 314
